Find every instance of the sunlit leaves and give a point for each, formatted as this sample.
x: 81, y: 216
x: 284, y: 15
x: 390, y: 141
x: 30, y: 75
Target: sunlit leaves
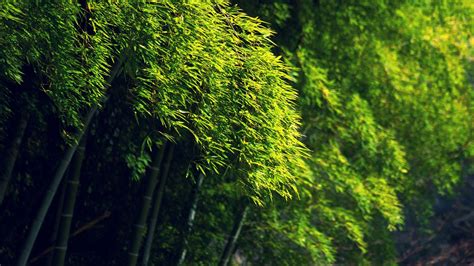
x: 207, y: 70
x: 198, y: 68
x: 385, y: 104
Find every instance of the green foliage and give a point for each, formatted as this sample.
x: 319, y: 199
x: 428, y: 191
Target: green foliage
x: 365, y: 118
x: 185, y: 62
x: 196, y: 74
x: 10, y: 63
x: 386, y: 111
x: 71, y: 64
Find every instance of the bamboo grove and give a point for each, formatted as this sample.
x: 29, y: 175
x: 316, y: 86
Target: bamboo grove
x: 188, y: 132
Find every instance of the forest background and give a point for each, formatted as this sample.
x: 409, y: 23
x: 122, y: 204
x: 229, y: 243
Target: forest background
x: 271, y: 132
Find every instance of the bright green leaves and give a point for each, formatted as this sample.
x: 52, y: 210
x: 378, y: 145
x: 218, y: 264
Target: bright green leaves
x: 427, y: 105
x: 386, y: 108
x: 54, y: 48
x: 11, y: 17
x: 71, y: 63
x: 399, y: 71
x: 385, y: 200
x: 288, y: 223
x: 138, y: 164
x: 198, y: 69
x: 207, y: 70
x: 273, y: 141
x: 357, y: 165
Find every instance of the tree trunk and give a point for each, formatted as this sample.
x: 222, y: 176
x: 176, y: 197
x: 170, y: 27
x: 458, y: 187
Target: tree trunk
x: 11, y: 156
x: 190, y: 220
x: 68, y: 209
x: 140, y: 224
x: 156, y: 207
x: 57, y: 221
x: 78, y: 231
x: 58, y: 176
x: 234, y: 235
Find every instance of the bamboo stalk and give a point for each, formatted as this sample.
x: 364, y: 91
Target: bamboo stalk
x: 234, y: 235
x: 140, y: 224
x: 57, y: 220
x: 58, y: 176
x: 12, y: 155
x: 190, y: 220
x: 81, y: 229
x: 68, y: 209
x: 156, y: 207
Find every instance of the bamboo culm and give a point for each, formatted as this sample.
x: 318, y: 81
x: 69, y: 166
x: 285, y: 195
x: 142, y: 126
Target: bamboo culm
x: 190, y: 220
x: 140, y: 224
x: 58, y: 176
x: 57, y: 220
x: 234, y: 236
x: 156, y: 207
x: 68, y: 209
x: 78, y: 231
x: 11, y: 156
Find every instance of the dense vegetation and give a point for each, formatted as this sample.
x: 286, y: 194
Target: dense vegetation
x: 188, y: 132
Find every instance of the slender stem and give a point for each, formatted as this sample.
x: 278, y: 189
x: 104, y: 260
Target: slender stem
x: 156, y: 207
x: 68, y: 209
x: 11, y: 156
x: 57, y: 220
x: 78, y: 231
x: 53, y: 187
x: 234, y: 235
x: 190, y: 220
x: 58, y: 176
x: 140, y: 224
